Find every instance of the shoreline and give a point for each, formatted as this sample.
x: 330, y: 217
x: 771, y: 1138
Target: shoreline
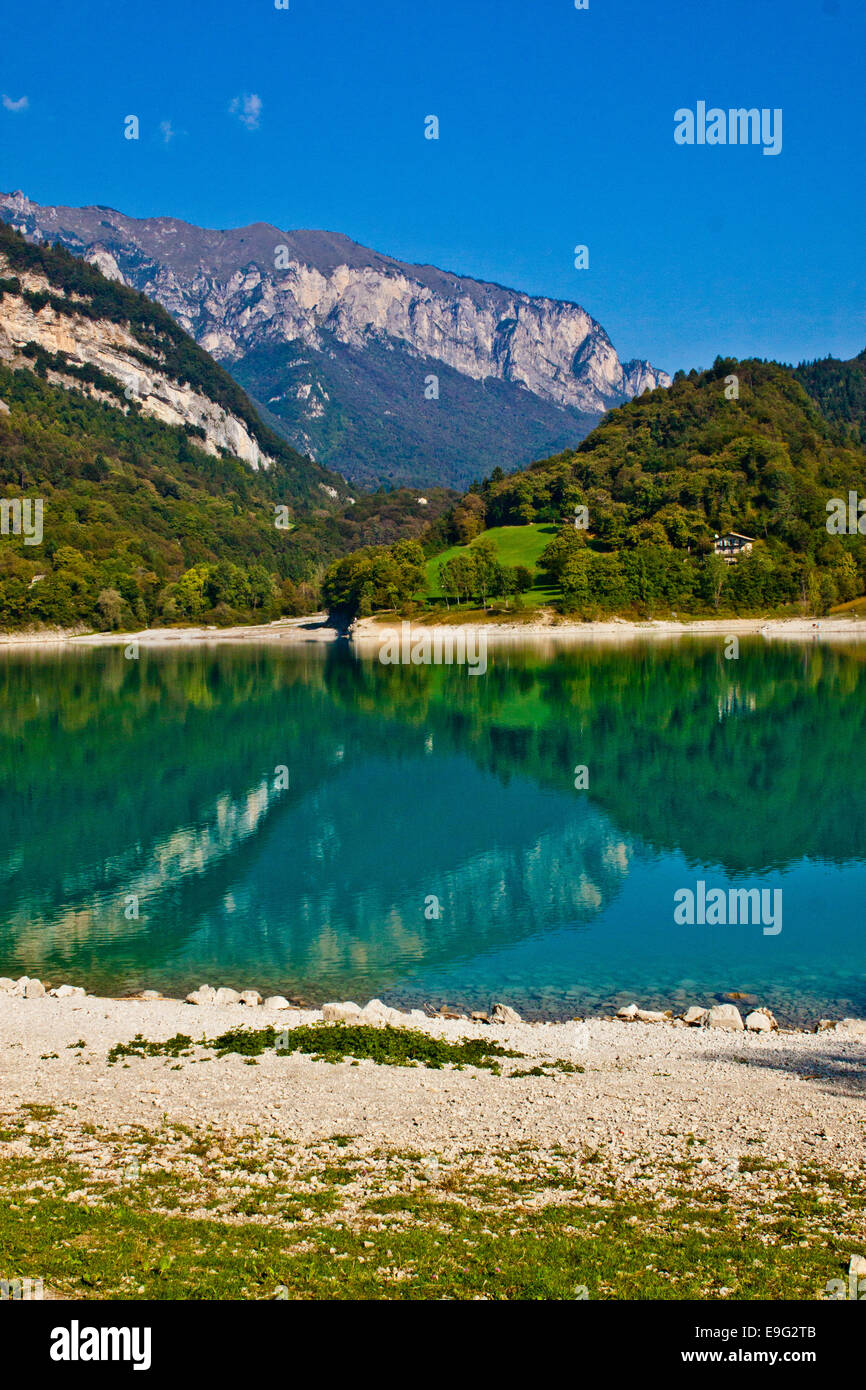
x: 253, y: 1004
x: 316, y: 629
x: 694, y: 1158
x: 636, y: 1085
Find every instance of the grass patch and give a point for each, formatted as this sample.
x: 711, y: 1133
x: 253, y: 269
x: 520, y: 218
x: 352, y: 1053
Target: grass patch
x: 331, y: 1042
x: 439, y: 1241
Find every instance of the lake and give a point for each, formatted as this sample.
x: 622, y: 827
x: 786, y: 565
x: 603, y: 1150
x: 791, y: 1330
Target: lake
x: 310, y: 822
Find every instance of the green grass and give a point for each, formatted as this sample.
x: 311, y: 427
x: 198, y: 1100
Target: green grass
x: 330, y: 1042
x: 515, y: 545
x: 456, y: 1236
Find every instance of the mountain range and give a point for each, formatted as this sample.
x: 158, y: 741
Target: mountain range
x: 381, y: 371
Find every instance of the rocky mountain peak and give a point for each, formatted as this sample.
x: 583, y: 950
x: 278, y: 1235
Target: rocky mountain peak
x: 302, y: 317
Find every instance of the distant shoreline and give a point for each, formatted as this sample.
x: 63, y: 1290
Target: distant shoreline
x: 317, y: 629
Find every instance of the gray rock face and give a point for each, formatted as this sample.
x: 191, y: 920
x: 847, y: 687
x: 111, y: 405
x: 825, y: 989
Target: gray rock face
x: 251, y: 290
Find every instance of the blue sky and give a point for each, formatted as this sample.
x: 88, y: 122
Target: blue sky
x: 556, y: 129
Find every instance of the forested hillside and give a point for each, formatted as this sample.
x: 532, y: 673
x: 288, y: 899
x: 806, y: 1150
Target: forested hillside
x: 840, y: 390
x: 144, y: 519
x: 741, y: 448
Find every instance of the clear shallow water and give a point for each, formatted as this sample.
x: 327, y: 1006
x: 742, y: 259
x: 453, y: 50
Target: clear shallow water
x: 156, y: 780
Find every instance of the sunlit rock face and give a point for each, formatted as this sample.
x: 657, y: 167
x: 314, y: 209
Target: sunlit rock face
x: 115, y: 351
x: 254, y: 290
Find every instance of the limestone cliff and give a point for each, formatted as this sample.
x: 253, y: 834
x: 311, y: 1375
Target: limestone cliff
x: 303, y: 319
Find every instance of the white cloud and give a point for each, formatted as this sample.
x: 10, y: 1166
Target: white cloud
x: 167, y: 131
x: 20, y: 105
x: 248, y: 109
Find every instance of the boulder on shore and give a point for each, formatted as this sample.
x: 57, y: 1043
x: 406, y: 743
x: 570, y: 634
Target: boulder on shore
x: 695, y: 1016
x: 503, y: 1013
x: 347, y: 1012
x: 725, y: 1016
x: 205, y: 994
x: 760, y: 1021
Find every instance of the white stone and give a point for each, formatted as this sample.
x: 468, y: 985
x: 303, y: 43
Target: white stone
x: 6, y: 985
x: 695, y: 1016
x: 347, y: 1012
x: 856, y: 1026
x: 377, y: 1012
x: 150, y: 994
x: 628, y: 1012
x: 67, y: 992
x: 725, y: 1016
x: 227, y: 996
x: 277, y: 1001
x: 503, y: 1013
x: 857, y: 1265
x: 34, y: 989
x: 760, y: 1021
x: 205, y: 994
x: 250, y: 997
x: 651, y: 1016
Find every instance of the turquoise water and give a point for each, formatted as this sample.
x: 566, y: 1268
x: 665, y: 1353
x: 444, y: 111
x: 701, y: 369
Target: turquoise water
x: 148, y: 839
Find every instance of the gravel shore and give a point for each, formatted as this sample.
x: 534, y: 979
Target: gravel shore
x: 648, y: 1092
x: 546, y: 627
